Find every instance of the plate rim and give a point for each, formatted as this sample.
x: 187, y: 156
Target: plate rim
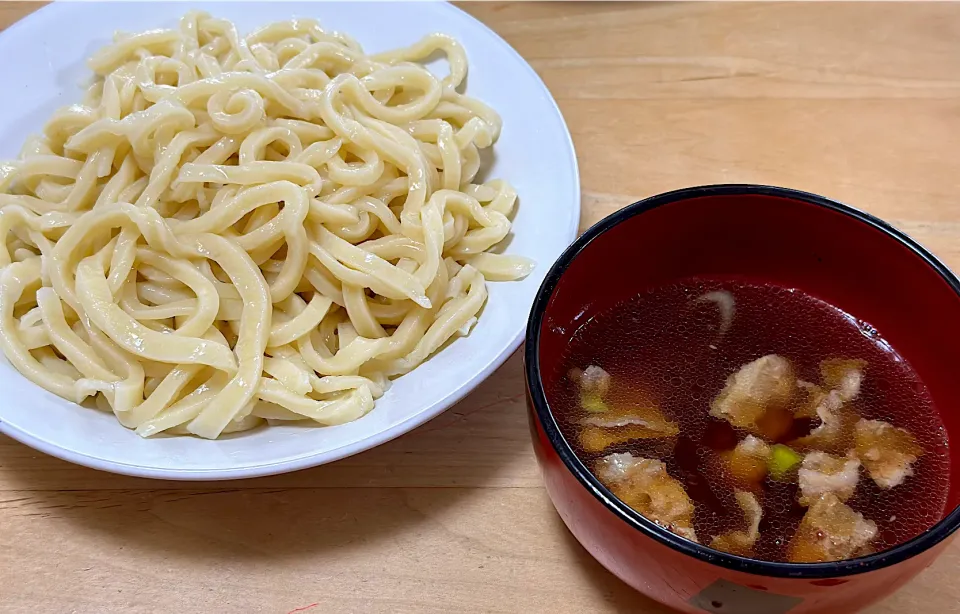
x: 376, y: 439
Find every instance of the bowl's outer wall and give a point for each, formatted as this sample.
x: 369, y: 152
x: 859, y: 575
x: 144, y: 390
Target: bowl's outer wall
x: 691, y: 585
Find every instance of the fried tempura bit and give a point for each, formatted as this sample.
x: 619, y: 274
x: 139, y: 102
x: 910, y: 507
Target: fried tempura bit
x: 886, y: 451
x: 645, y: 485
x: 755, y: 398
x: 821, y: 473
x: 831, y: 531
x: 622, y: 424
x: 741, y: 542
x: 747, y: 463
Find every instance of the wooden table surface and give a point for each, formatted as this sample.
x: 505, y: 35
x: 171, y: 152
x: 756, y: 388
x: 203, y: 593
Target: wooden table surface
x: 857, y: 101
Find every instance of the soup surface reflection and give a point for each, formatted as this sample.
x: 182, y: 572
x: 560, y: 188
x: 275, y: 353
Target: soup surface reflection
x: 755, y: 419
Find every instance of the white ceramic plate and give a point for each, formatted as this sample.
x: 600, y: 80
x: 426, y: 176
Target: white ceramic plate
x: 535, y: 154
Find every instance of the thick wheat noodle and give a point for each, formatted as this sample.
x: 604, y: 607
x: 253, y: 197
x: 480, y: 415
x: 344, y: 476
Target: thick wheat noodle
x: 233, y: 230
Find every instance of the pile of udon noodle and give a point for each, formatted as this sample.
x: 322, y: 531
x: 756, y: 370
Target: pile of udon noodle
x: 235, y: 230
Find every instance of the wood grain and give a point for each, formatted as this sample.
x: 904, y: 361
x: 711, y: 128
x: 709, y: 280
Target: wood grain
x: 858, y: 101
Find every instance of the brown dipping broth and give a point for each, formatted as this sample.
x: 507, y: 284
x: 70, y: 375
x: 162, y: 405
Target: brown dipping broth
x: 666, y: 345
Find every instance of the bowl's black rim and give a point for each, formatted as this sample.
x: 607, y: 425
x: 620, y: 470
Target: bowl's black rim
x: 906, y: 550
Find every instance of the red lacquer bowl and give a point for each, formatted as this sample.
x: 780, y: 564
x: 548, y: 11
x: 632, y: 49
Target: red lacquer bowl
x: 841, y: 255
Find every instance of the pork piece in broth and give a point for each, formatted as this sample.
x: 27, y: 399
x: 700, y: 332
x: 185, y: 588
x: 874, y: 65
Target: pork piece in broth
x: 830, y: 404
x: 623, y: 424
x: 887, y: 452
x: 831, y: 531
x: 644, y: 485
x: 741, y: 542
x: 844, y: 376
x: 756, y: 398
x: 594, y: 384
x: 747, y: 463
x: 822, y: 474
x: 611, y: 422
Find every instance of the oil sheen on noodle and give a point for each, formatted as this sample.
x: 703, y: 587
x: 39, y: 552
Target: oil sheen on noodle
x: 231, y: 230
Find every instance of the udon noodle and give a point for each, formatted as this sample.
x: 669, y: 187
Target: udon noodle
x: 231, y: 230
